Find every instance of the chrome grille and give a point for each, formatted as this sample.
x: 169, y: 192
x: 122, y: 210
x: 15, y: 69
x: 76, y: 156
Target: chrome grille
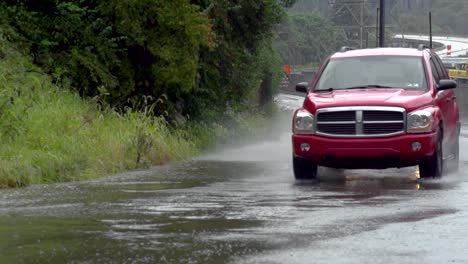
x: 382, y: 116
x: 337, y: 116
x: 384, y: 128
x: 337, y: 129
x: 360, y: 121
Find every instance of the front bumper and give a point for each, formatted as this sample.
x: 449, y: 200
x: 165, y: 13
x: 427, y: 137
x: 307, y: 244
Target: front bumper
x: 372, y: 153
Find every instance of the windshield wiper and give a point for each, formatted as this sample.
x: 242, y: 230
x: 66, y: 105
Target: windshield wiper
x: 325, y: 90
x: 353, y: 87
x: 366, y: 86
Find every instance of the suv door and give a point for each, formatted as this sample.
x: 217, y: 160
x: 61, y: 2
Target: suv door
x: 446, y: 100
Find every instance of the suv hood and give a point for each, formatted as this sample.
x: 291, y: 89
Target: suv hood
x: 408, y: 99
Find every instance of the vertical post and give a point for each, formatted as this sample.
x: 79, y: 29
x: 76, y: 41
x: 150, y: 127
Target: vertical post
x: 367, y: 39
x: 362, y: 22
x: 430, y: 30
x: 382, y: 24
x: 377, y: 28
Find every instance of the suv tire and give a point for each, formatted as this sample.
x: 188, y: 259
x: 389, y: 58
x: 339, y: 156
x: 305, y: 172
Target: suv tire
x: 304, y: 169
x: 432, y: 167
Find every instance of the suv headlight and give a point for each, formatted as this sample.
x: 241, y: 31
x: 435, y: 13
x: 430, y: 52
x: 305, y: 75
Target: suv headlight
x: 420, y: 121
x: 303, y: 122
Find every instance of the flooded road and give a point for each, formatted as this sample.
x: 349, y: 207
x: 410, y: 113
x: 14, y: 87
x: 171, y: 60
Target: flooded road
x: 240, y: 205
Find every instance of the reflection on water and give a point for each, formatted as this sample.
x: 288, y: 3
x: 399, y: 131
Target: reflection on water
x: 406, y: 178
x: 388, y: 179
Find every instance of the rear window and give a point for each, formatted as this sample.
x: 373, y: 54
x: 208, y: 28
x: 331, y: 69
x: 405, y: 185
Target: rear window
x: 383, y: 71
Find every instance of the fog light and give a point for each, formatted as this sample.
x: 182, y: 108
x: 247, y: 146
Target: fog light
x: 305, y: 147
x: 416, y: 146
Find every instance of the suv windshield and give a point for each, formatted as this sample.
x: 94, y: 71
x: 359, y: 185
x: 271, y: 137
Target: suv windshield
x: 373, y: 72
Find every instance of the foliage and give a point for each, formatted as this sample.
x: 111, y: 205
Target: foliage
x: 162, y: 40
x: 137, y: 65
x: 402, y: 16
x: 308, y: 6
x: 129, y: 53
x: 308, y: 37
x: 232, y: 72
x: 448, y: 17
x: 177, y: 58
x: 50, y: 134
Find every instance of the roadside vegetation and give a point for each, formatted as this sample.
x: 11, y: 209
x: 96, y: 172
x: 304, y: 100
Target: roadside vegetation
x: 92, y: 88
x: 49, y: 134
x: 52, y: 135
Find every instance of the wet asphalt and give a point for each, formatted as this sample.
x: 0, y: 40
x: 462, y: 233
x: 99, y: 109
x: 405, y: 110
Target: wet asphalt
x: 241, y: 204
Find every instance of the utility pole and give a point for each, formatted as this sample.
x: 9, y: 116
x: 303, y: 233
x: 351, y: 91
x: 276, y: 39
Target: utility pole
x: 377, y: 28
x: 430, y: 30
x: 361, y: 24
x: 382, y: 24
x: 367, y: 39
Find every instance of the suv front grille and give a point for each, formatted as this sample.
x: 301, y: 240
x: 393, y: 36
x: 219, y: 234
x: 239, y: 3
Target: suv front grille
x: 360, y: 121
x: 337, y: 129
x: 338, y: 116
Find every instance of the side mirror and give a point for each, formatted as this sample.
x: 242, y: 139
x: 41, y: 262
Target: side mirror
x: 302, y: 87
x: 446, y: 84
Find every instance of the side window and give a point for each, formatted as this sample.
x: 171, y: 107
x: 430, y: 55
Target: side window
x: 440, y: 67
x: 435, y: 74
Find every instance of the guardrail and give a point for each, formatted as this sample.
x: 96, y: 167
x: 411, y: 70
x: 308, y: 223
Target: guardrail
x: 413, y: 43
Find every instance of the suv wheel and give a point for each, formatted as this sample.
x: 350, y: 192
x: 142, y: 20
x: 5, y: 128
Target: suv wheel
x: 304, y: 169
x: 433, y: 166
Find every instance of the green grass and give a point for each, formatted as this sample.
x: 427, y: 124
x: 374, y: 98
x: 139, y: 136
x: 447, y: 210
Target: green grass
x: 49, y: 134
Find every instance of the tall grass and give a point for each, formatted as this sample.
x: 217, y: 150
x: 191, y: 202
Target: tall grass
x: 52, y: 135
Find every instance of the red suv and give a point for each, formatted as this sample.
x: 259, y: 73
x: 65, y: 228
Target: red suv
x: 378, y: 108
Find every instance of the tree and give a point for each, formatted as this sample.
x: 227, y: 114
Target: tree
x: 308, y: 37
x: 412, y: 16
x: 189, y: 57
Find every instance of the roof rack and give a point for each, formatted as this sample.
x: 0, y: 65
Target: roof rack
x: 346, y: 48
x: 423, y: 46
